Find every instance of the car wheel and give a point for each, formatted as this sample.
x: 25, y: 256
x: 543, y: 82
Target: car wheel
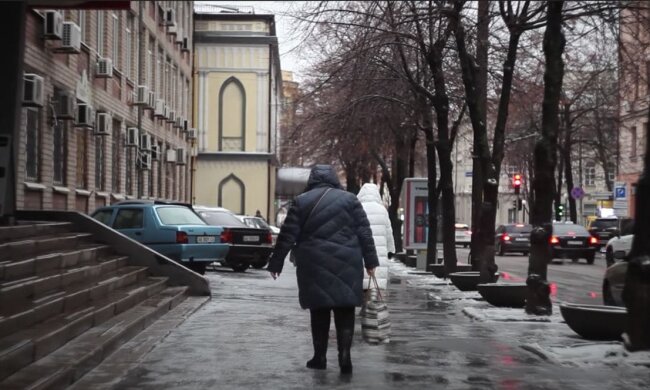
x: 260, y: 265
x: 608, y: 298
x: 241, y: 267
x: 609, y: 256
x: 590, y: 258
x: 199, y: 268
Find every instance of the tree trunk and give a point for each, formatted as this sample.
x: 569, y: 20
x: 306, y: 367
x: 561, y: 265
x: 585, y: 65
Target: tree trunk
x: 636, y: 292
x: 568, y: 165
x: 538, y: 299
x: 427, y: 125
x: 446, y: 185
x: 482, y: 47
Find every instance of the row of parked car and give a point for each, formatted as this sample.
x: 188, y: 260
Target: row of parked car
x: 193, y: 236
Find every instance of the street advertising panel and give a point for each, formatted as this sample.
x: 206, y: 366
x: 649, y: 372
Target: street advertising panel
x: 414, y: 199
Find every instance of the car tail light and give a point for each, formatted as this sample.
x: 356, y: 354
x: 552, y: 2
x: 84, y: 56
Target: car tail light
x: 181, y: 238
x: 505, y: 237
x: 226, y: 236
x: 593, y: 240
x: 468, y: 232
x: 555, y: 240
x: 269, y: 238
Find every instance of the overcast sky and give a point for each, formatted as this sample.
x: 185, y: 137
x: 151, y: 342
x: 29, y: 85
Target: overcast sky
x: 286, y: 38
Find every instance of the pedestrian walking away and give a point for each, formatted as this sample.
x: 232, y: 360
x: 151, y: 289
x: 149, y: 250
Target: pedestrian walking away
x: 327, y: 229
x: 382, y: 231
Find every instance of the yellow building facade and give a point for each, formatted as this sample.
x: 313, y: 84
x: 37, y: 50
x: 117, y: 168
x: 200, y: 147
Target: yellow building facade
x: 237, y: 92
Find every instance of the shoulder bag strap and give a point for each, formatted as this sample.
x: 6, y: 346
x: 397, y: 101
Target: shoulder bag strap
x: 311, y: 211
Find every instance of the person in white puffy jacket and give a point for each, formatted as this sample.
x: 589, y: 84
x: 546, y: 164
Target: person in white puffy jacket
x: 382, y: 232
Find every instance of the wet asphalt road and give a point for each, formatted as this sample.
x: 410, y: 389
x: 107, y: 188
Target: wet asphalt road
x: 577, y: 282
x: 253, y: 335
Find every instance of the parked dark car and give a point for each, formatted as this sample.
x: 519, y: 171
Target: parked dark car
x: 613, y: 284
x: 513, y: 238
x: 174, y: 230
x: 574, y: 242
x: 249, y: 246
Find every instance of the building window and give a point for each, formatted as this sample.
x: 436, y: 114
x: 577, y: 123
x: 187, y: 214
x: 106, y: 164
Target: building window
x: 82, y: 25
x: 100, y: 171
x: 590, y: 174
x: 117, y: 157
x: 633, y: 141
x: 232, y: 115
x: 100, y: 33
x: 82, y: 159
x: 129, y: 48
x: 116, y: 41
x: 59, y: 153
x: 232, y: 194
x: 33, y: 144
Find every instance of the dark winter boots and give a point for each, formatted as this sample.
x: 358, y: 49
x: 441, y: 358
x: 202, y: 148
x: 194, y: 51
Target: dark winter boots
x: 344, y: 321
x: 320, y: 329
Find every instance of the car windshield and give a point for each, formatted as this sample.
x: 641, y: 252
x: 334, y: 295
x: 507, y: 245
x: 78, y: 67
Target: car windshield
x: 519, y: 229
x: 604, y: 223
x: 178, y: 215
x: 571, y: 229
x: 220, y: 218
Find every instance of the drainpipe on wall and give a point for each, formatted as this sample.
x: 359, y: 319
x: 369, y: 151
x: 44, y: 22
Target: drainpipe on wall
x: 142, y: 29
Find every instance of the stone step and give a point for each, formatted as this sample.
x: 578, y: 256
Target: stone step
x: 38, y: 245
x: 129, y: 355
x: 66, y: 365
x: 31, y: 344
x: 23, y: 315
x: 41, y: 265
x: 30, y: 229
x: 21, y: 293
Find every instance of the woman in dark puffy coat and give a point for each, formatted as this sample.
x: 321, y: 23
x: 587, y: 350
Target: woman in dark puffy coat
x: 328, y: 231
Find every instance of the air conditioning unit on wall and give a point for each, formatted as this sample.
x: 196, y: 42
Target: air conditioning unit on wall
x: 71, y: 41
x: 151, y: 103
x: 32, y: 90
x: 85, y: 116
x: 104, y: 68
x: 53, y: 28
x: 171, y: 155
x: 145, y: 142
x: 179, y: 122
x: 141, y: 95
x: 191, y: 134
x: 171, y: 116
x: 65, y: 106
x: 103, y: 124
x: 180, y: 156
x: 159, y: 109
x: 132, y: 137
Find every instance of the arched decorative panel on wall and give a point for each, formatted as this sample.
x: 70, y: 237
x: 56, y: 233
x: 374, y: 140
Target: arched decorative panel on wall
x: 232, y: 116
x: 232, y: 194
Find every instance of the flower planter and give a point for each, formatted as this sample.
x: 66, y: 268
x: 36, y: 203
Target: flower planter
x: 466, y: 281
x: 594, y: 322
x: 439, y: 269
x: 504, y: 294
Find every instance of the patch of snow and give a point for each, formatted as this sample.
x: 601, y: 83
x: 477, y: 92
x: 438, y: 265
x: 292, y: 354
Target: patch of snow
x: 506, y: 314
x: 590, y: 353
x: 455, y: 295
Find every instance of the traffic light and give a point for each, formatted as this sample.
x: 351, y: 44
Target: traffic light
x: 516, y: 183
x: 559, y: 212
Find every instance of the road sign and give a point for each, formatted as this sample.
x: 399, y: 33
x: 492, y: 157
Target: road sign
x: 577, y: 192
x: 620, y: 199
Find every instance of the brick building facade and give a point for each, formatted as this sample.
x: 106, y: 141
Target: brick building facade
x: 64, y: 161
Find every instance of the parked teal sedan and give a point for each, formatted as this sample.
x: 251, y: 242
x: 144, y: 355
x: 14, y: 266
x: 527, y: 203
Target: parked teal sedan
x: 173, y: 230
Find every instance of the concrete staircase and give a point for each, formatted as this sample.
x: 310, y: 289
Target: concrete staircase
x: 67, y: 302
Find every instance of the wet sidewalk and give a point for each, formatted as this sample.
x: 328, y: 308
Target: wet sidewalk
x: 253, y: 335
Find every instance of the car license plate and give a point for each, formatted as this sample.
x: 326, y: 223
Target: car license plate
x: 521, y: 239
x: 205, y: 239
x: 574, y: 242
x: 251, y: 238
